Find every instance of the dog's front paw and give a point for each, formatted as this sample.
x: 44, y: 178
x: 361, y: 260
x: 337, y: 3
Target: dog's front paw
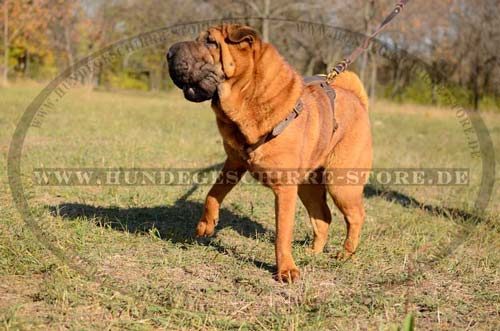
x: 205, y: 227
x: 288, y: 275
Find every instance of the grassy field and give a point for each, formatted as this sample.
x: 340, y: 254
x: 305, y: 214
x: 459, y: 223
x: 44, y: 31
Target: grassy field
x: 142, y: 269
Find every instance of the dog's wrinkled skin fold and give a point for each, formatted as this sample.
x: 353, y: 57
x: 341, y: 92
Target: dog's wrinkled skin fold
x: 252, y: 89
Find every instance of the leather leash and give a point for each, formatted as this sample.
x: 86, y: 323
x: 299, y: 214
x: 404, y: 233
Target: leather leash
x: 342, y: 65
x: 324, y: 81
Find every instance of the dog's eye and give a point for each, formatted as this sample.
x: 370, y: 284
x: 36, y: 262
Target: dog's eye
x: 211, y: 42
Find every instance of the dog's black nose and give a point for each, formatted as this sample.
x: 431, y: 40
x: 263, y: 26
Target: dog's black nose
x: 172, y: 50
x: 170, y: 53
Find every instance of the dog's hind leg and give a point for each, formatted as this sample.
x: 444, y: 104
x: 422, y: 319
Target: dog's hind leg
x: 348, y: 196
x: 347, y: 172
x: 313, y: 196
x: 349, y: 200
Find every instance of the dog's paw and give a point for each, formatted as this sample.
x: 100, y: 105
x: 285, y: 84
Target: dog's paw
x: 288, y: 275
x: 205, y: 227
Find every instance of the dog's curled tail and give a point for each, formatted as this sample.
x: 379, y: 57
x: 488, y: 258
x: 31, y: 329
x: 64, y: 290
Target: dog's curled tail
x: 349, y: 81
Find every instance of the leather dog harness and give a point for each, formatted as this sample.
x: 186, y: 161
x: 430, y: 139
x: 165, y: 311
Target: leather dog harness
x: 324, y: 82
x: 297, y: 109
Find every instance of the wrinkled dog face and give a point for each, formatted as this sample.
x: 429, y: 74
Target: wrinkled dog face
x: 193, y: 70
x: 198, y: 67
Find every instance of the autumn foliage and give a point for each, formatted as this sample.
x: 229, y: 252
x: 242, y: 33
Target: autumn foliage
x: 457, y: 40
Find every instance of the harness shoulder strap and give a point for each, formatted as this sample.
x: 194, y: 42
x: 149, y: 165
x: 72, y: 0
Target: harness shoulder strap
x: 331, y: 95
x: 321, y: 81
x: 297, y: 109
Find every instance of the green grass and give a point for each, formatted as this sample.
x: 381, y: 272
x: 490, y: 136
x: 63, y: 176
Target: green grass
x: 143, y: 269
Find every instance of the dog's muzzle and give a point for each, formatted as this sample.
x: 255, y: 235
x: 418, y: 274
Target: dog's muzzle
x: 190, y: 71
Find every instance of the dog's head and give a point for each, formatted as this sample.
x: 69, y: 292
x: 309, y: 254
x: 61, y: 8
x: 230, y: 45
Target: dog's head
x: 219, y: 54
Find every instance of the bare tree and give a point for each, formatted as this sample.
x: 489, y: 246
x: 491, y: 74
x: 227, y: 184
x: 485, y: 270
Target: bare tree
x: 6, y: 43
x: 266, y: 10
x: 364, y: 17
x: 477, y: 42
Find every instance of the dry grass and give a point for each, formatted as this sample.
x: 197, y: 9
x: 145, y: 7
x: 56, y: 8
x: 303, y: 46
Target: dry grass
x: 142, y: 269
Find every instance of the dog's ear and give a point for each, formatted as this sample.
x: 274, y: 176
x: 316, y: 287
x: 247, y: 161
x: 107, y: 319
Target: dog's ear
x: 227, y: 61
x: 239, y: 33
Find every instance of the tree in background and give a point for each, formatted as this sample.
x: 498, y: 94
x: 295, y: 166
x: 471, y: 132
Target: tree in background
x: 48, y: 32
x: 458, y: 39
x: 364, y: 16
x: 477, y: 44
x: 24, y: 24
x: 68, y: 30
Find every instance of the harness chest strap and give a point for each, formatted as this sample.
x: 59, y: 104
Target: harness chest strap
x: 297, y: 109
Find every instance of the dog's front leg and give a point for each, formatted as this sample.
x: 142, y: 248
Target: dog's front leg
x: 229, y: 176
x: 285, y: 199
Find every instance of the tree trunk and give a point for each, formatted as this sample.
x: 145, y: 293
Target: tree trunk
x: 476, y: 101
x: 366, y: 22
x: 6, y: 44
x: 67, y: 44
x: 396, y: 80
x: 373, y: 78
x: 434, y: 93
x: 476, y: 95
x: 155, y: 80
x: 310, y: 66
x: 27, y: 68
x: 265, y: 21
x: 364, y: 62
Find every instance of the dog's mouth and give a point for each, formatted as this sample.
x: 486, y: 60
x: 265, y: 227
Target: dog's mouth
x: 195, y: 93
x: 200, y: 89
x: 190, y: 71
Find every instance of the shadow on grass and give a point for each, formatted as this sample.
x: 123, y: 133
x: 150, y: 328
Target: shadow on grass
x: 410, y: 202
x: 176, y: 223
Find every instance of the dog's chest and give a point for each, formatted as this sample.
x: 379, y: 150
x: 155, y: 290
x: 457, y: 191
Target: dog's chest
x: 234, y: 142
x: 230, y: 133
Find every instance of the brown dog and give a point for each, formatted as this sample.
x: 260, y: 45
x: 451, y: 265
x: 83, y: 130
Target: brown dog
x: 252, y: 90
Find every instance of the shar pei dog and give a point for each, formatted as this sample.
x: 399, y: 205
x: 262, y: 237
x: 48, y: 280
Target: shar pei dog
x: 271, y: 123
